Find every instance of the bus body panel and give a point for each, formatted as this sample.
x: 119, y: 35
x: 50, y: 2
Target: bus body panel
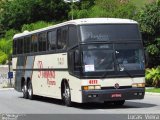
x: 14, y: 63
x: 110, y: 82
x: 56, y: 54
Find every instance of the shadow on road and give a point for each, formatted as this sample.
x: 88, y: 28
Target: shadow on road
x: 127, y: 105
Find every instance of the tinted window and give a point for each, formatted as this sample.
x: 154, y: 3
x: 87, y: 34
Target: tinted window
x: 20, y: 46
x: 14, y: 47
x: 34, y: 46
x: 129, y: 57
x: 59, y: 39
x: 42, y: 39
x: 73, y: 40
x: 109, y: 32
x: 52, y: 37
x: 64, y: 37
x: 27, y: 44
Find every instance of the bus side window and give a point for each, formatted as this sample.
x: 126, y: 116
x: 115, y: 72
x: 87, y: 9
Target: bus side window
x: 34, y: 45
x: 73, y: 40
x: 59, y: 39
x: 27, y: 44
x: 52, y: 38
x: 62, y: 37
x: 14, y: 47
x: 42, y: 40
x: 20, y: 46
x: 74, y: 62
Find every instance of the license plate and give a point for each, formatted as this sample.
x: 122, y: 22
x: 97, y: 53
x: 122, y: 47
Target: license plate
x: 116, y: 95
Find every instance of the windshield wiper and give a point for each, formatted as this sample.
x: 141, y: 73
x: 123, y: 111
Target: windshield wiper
x: 124, y: 69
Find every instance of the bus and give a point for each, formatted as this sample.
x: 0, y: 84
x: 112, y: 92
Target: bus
x: 83, y: 61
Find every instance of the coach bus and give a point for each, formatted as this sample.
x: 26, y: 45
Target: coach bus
x: 83, y: 60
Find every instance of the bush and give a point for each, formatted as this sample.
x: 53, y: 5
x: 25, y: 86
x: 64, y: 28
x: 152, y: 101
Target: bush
x: 3, y: 57
x: 153, y: 77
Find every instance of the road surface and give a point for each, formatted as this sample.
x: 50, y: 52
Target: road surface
x: 12, y: 102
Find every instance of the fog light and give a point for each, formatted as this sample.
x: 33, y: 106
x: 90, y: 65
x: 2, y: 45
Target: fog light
x: 135, y: 93
x: 140, y: 93
x: 95, y: 95
x: 89, y: 96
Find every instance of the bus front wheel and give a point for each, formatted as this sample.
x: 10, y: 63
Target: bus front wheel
x: 66, y: 95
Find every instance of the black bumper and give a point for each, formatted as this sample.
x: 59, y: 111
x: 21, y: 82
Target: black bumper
x: 112, y: 95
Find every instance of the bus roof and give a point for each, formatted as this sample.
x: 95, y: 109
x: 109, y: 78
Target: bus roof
x: 80, y: 22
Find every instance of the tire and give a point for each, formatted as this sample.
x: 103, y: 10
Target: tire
x: 25, y: 91
x: 66, y: 95
x: 119, y: 103
x: 30, y: 91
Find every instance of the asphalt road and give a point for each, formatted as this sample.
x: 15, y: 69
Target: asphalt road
x: 12, y: 102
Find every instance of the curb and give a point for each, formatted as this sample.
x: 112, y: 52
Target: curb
x: 3, y: 89
x: 151, y: 93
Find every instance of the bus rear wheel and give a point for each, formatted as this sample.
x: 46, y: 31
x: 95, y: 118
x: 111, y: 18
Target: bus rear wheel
x: 66, y: 95
x: 30, y: 91
x: 25, y: 91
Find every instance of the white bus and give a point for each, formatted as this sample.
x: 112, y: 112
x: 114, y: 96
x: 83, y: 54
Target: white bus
x: 83, y: 60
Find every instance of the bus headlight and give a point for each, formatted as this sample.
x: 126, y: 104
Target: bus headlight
x: 136, y: 85
x: 92, y: 87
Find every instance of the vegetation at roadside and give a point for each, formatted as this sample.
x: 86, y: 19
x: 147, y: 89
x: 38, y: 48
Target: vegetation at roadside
x: 153, y: 77
x: 155, y: 90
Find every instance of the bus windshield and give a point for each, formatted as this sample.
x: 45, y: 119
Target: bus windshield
x: 109, y: 32
x: 112, y: 57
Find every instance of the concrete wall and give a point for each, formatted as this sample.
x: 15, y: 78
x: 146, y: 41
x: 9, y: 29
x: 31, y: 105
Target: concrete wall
x: 4, y: 81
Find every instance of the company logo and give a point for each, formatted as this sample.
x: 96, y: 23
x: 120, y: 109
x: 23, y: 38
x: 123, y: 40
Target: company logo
x: 116, y: 86
x: 47, y: 74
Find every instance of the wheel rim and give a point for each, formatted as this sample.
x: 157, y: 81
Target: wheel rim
x: 30, y: 90
x: 67, y: 95
x: 24, y: 89
x: 66, y: 92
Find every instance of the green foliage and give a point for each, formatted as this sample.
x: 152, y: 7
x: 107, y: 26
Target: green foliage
x: 10, y: 33
x: 149, y: 19
x: 15, y: 13
x: 35, y: 26
x: 3, y: 57
x: 154, y: 76
x: 153, y: 49
x: 107, y: 8
x: 141, y: 3
x: 5, y: 50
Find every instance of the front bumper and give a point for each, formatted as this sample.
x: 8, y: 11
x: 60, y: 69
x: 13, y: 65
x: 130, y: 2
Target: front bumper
x: 112, y: 95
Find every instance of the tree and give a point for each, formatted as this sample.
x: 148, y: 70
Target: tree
x: 15, y: 13
x: 149, y: 19
x: 106, y: 8
x: 35, y: 26
x: 5, y: 50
